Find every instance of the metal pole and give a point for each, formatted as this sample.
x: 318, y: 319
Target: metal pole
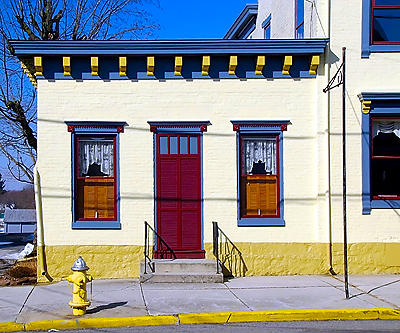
x: 145, y: 247
x: 346, y: 275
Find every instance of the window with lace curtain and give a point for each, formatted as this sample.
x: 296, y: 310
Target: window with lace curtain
x: 259, y: 177
x: 95, y: 176
x: 260, y: 172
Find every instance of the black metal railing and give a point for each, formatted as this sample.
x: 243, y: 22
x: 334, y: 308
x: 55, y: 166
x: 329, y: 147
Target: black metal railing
x: 230, y: 261
x: 154, y: 248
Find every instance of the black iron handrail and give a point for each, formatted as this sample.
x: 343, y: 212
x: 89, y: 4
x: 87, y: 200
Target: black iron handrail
x: 152, y: 244
x: 230, y: 260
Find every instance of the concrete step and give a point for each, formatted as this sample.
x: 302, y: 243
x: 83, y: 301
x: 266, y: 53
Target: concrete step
x: 181, y: 271
x: 184, y: 278
x: 185, y: 266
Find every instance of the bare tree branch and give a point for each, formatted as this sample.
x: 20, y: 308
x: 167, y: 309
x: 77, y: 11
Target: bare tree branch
x: 51, y: 20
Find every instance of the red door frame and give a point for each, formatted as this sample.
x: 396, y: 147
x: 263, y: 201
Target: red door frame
x: 187, y: 200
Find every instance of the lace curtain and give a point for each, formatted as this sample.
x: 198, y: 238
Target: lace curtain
x: 96, y: 158
x: 259, y: 156
x: 385, y: 126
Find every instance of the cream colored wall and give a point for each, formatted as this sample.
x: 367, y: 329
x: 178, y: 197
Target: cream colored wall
x: 216, y: 100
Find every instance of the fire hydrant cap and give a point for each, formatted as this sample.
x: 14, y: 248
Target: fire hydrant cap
x: 80, y: 265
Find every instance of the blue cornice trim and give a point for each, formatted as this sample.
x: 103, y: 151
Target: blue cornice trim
x: 249, y: 11
x: 96, y: 123
x: 379, y: 96
x: 180, y: 123
x: 260, y: 122
x: 164, y: 47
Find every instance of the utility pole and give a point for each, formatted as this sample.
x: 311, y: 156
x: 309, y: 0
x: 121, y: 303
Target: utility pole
x: 340, y: 79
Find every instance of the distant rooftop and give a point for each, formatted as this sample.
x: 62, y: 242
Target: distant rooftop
x: 20, y: 215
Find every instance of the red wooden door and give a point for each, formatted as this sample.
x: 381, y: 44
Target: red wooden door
x: 178, y: 193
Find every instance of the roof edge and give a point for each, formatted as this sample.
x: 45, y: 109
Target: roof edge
x: 248, y: 12
x: 26, y: 49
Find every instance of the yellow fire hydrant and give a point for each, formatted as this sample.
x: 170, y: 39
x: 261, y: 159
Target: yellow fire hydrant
x: 79, y: 278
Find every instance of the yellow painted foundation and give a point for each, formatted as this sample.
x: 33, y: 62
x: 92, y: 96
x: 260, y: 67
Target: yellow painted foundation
x: 104, y: 261
x: 110, y: 261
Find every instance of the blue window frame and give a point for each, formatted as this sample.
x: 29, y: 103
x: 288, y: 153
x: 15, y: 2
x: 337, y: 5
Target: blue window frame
x: 260, y: 172
x: 380, y: 26
x: 95, y: 174
x: 266, y: 25
x: 299, y: 21
x: 380, y: 151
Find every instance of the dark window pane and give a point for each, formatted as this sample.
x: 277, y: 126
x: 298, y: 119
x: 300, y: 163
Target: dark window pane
x: 386, y: 144
x: 385, y: 177
x: 386, y: 25
x: 193, y: 144
x: 183, y: 145
x: 387, y: 2
x: 173, y: 145
x: 163, y: 145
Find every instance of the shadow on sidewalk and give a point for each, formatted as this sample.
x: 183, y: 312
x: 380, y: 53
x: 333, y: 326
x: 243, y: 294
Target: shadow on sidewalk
x: 373, y: 289
x: 105, y: 307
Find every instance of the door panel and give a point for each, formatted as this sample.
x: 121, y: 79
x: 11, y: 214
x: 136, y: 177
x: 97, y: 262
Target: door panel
x: 178, y: 197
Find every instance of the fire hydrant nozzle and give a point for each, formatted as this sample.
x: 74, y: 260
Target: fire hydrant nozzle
x: 79, y: 278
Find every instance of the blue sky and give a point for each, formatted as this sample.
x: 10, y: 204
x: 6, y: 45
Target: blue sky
x: 186, y: 19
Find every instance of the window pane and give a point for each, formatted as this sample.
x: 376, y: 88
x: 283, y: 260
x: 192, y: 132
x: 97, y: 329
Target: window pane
x: 193, y: 144
x: 259, y: 156
x: 386, y: 137
x: 95, y: 198
x: 96, y: 157
x: 163, y: 145
x: 387, y: 2
x: 173, y: 145
x: 386, y: 25
x: 183, y: 145
x: 385, y: 177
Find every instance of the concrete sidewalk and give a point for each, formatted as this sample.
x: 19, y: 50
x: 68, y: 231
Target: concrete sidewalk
x: 118, y: 299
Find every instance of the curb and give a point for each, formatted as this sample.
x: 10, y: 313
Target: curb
x: 207, y: 318
x: 291, y: 315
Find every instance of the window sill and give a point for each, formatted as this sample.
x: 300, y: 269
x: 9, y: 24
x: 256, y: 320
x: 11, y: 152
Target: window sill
x: 380, y: 49
x: 96, y: 225
x: 261, y: 222
x: 381, y: 204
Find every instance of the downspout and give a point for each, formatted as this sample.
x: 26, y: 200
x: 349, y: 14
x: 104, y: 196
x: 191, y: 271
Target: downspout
x: 39, y: 229
x: 328, y: 136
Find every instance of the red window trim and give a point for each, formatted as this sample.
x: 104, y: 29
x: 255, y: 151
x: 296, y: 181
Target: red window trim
x: 246, y: 135
x: 114, y: 137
